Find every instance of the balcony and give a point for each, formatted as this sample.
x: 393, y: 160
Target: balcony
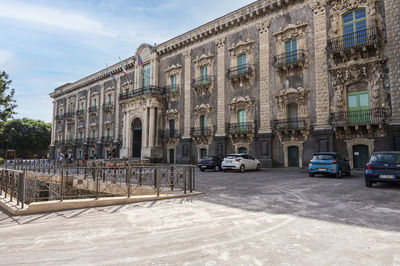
x: 202, y: 84
x: 108, y: 107
x: 91, y: 140
x: 70, y: 142
x: 289, y: 60
x: 78, y: 141
x: 172, y: 89
x: 356, y: 45
x: 291, y: 124
x: 150, y: 90
x: 240, y: 128
x: 169, y: 134
x: 93, y: 109
x: 361, y: 117
x: 59, y: 117
x: 240, y: 73
x: 69, y: 115
x: 200, y: 132
x: 107, y: 140
x: 80, y: 113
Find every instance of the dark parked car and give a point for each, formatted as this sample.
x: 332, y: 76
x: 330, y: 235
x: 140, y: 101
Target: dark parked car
x: 328, y: 163
x: 212, y: 162
x: 383, y: 167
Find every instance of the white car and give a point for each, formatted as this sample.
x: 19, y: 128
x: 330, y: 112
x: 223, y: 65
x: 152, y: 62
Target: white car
x: 241, y: 162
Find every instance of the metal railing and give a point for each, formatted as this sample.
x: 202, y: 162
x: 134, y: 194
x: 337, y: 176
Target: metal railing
x: 202, y: 81
x: 79, y: 141
x: 291, y: 124
x: 107, y: 139
x: 59, y: 117
x: 91, y: 140
x: 240, y: 70
x: 108, y: 107
x: 290, y: 58
x: 240, y: 128
x: 360, y: 117
x: 80, y: 112
x: 200, y: 132
x: 172, y: 89
x: 93, y: 109
x: 69, y: 114
x: 167, y: 134
x: 360, y: 38
x: 46, y: 180
x: 143, y: 91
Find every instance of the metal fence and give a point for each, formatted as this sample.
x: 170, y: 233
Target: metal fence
x: 45, y: 180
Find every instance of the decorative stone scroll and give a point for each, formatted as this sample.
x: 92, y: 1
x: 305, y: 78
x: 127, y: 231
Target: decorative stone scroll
x: 173, y: 70
x: 242, y: 103
x: 245, y: 75
x: 293, y: 95
x: 199, y: 86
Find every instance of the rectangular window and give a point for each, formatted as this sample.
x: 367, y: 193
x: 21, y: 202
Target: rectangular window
x: 146, y: 75
x: 291, y: 51
x: 354, y: 28
x: 204, y: 76
x: 242, y: 120
x: 108, y: 133
x: 173, y: 83
x: 171, y: 128
x: 358, y: 107
x: 203, y: 125
x: 109, y: 99
x: 94, y: 102
x: 82, y: 106
x: 242, y: 67
x: 93, y: 134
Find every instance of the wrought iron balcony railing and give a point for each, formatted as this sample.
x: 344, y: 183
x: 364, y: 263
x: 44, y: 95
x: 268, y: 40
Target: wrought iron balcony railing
x: 107, y: 107
x: 240, y: 70
x: 200, y: 132
x: 80, y: 112
x: 290, y: 124
x: 70, y: 142
x: 107, y: 139
x: 169, y: 134
x: 360, y: 117
x: 240, y: 128
x: 93, y: 109
x: 59, y: 117
x: 360, y: 38
x: 172, y: 89
x: 143, y: 91
x: 202, y: 81
x: 69, y: 114
x: 289, y: 59
x: 91, y: 140
x: 78, y: 141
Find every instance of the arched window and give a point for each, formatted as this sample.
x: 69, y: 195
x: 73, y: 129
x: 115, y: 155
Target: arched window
x: 354, y: 27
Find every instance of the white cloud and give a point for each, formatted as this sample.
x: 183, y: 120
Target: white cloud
x: 53, y: 17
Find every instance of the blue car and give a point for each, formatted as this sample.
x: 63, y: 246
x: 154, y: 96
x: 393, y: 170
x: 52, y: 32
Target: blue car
x: 328, y: 163
x: 383, y: 167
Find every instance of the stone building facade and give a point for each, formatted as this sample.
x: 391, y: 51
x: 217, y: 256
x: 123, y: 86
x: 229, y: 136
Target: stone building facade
x: 279, y: 79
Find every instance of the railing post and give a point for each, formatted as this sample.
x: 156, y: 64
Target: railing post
x: 23, y: 186
x: 190, y: 178
x: 194, y: 179
x: 12, y: 185
x: 61, y: 184
x: 128, y: 181
x: 97, y: 183
x: 157, y: 181
x: 184, y: 179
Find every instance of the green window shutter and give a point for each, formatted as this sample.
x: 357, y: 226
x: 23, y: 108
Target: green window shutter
x: 358, y: 107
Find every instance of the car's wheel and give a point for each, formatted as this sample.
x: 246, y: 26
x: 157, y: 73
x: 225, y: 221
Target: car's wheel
x: 258, y: 167
x: 217, y: 169
x: 368, y: 183
x: 202, y: 169
x: 311, y: 174
x: 340, y: 173
x: 242, y: 168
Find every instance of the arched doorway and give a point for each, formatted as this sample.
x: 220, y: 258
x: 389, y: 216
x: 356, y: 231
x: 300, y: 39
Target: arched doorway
x: 293, y: 156
x: 137, y: 138
x: 360, y: 156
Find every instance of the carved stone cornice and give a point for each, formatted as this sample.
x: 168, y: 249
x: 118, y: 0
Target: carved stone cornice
x: 318, y: 6
x: 293, y: 95
x: 173, y: 70
x: 292, y: 31
x: 204, y: 60
x: 202, y: 109
x: 171, y: 114
x: 188, y: 54
x: 242, y: 47
x: 263, y: 27
x: 221, y: 42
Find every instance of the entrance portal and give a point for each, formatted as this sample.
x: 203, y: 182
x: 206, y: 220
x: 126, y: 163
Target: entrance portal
x: 137, y: 138
x: 360, y: 156
x: 293, y: 154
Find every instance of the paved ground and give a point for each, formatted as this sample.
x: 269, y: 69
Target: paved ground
x: 256, y: 218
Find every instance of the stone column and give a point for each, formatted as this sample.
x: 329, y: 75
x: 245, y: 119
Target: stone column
x: 54, y: 123
x: 116, y: 101
x: 151, y: 128
x: 144, y: 129
x: 101, y: 111
x: 76, y: 117
x: 321, y: 64
x: 221, y: 70
x: 187, y: 84
x: 392, y: 15
x: 87, y: 113
x: 265, y: 124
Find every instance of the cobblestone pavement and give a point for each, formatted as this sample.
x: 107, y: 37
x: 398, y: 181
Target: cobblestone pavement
x: 255, y: 218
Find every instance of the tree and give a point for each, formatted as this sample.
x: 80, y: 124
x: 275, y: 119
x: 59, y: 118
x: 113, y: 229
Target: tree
x: 7, y: 102
x: 27, y: 136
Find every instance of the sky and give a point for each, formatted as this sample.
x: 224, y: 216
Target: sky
x: 47, y: 43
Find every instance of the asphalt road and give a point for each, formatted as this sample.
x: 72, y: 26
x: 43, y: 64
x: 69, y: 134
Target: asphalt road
x: 255, y: 218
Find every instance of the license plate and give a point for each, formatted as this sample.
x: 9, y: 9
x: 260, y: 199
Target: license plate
x: 228, y: 161
x: 203, y: 166
x: 322, y: 169
x: 387, y: 176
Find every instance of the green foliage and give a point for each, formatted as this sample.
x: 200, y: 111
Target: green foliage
x: 7, y: 102
x: 2, y: 161
x: 25, y: 134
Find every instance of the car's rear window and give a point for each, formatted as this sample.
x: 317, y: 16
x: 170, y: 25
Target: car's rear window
x: 232, y: 156
x: 385, y: 158
x: 323, y: 157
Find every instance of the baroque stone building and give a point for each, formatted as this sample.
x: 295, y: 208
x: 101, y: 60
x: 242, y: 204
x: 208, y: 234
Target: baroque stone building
x: 280, y: 79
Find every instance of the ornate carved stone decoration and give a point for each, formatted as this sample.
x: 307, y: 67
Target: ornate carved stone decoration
x: 318, y: 6
x: 201, y: 138
x: 292, y: 95
x: 245, y: 75
x: 173, y: 94
x: 127, y: 86
x: 201, y: 85
x: 221, y: 42
x: 242, y: 103
x: 263, y: 27
x: 241, y: 138
x: 169, y: 140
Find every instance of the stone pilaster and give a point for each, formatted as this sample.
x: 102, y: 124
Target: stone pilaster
x: 187, y: 84
x: 321, y: 64
x: 54, y: 123
x: 76, y: 117
x: 221, y: 87
x: 151, y: 128
x: 87, y: 113
x: 392, y: 12
x: 116, y: 97
x: 101, y: 111
x: 265, y: 124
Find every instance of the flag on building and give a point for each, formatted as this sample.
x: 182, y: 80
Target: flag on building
x: 123, y: 68
x: 140, y: 61
x: 109, y: 72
